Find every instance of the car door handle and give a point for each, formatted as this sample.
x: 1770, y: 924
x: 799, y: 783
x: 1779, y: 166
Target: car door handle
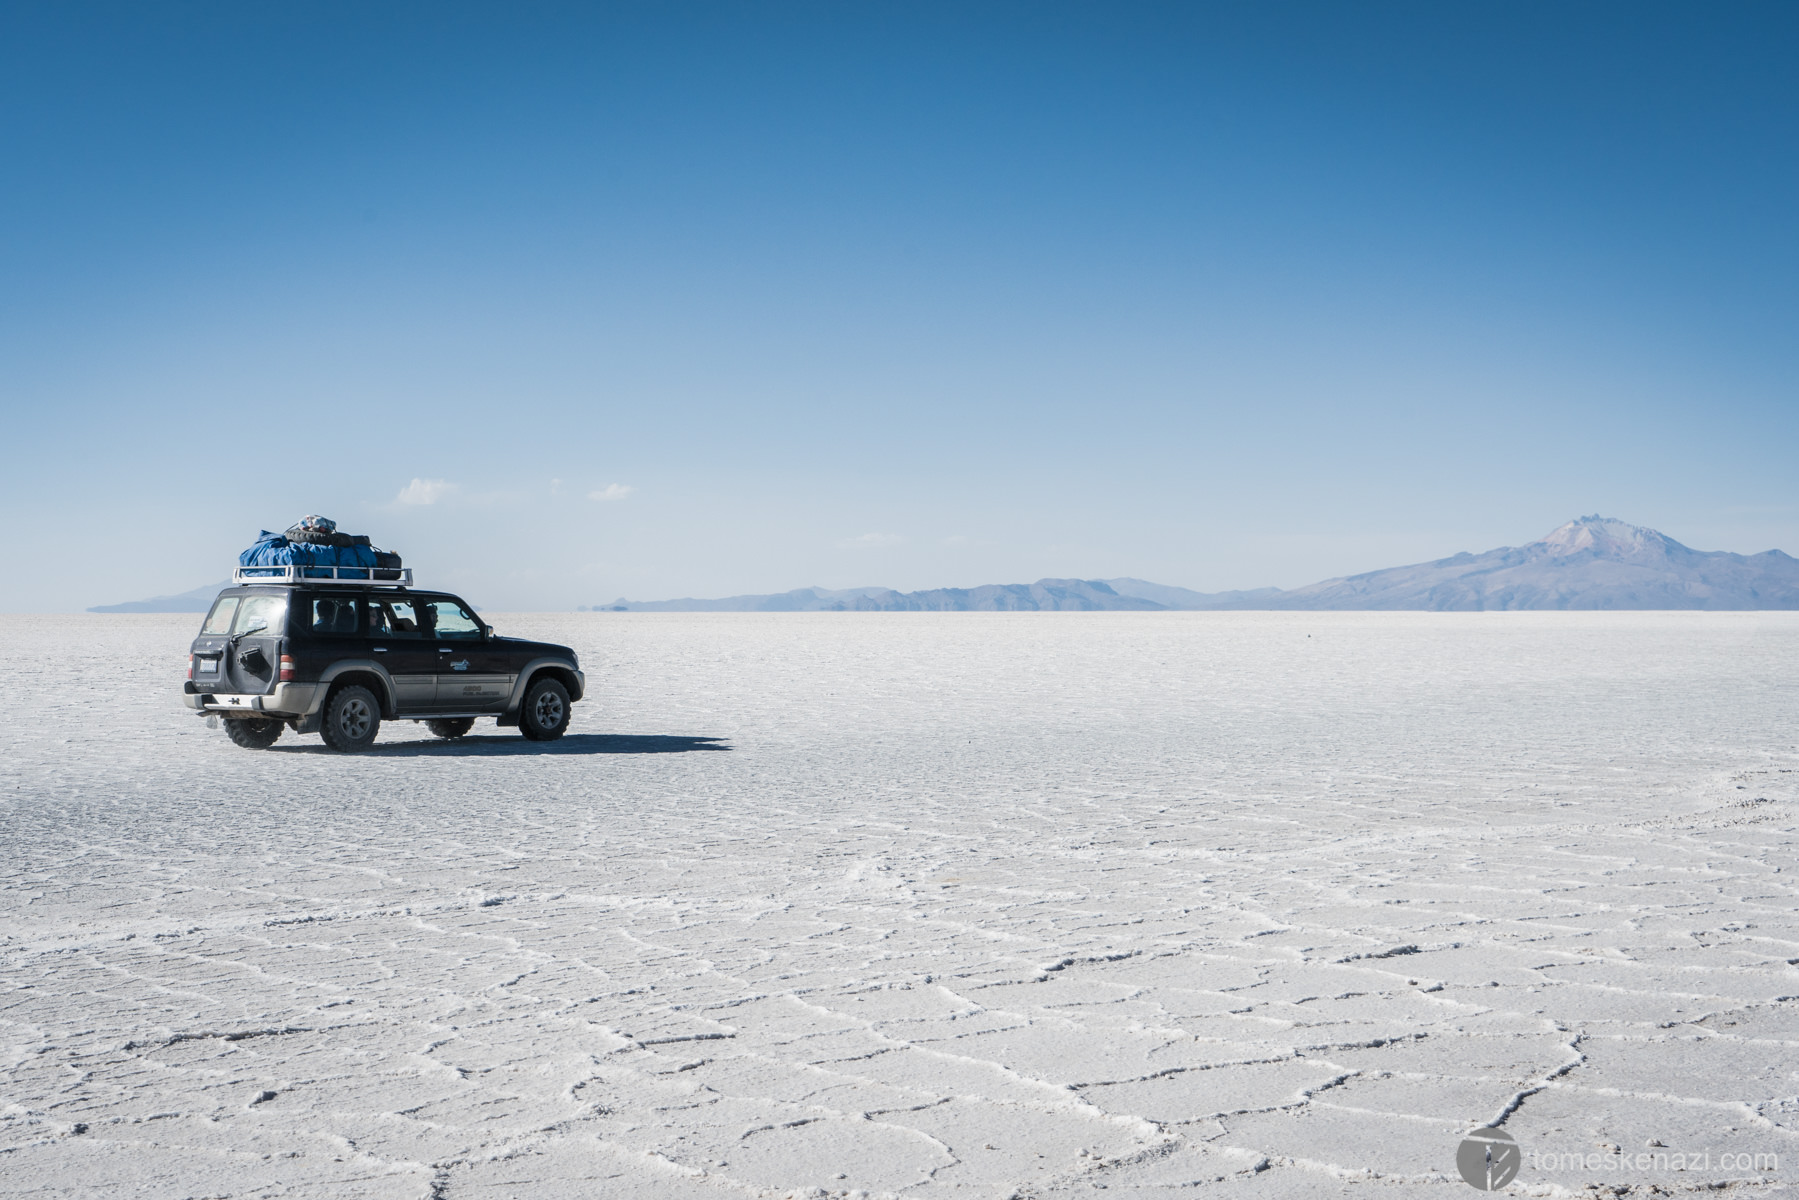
x: 446, y: 650
x: 380, y: 649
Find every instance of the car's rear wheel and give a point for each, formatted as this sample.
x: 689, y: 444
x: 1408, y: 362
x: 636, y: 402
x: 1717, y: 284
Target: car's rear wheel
x: 253, y: 733
x: 352, y: 719
x: 544, y: 715
x: 450, y: 727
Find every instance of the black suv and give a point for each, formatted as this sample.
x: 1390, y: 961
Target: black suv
x: 334, y: 658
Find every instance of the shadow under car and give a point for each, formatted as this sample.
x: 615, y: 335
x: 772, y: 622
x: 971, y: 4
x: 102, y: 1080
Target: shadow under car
x: 512, y: 743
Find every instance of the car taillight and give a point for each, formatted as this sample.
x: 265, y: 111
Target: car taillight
x: 190, y: 666
x: 287, y: 668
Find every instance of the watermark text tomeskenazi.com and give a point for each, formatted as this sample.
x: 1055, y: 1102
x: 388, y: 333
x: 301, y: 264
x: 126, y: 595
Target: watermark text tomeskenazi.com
x: 1655, y: 1160
x: 1489, y: 1158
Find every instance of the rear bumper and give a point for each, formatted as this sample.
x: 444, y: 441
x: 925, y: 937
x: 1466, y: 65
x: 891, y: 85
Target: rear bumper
x: 287, y: 700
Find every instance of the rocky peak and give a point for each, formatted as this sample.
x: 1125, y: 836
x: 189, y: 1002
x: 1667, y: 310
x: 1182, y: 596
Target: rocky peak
x: 1604, y: 537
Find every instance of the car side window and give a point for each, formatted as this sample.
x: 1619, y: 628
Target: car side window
x: 395, y: 619
x: 455, y: 622
x: 336, y: 616
x: 218, y: 621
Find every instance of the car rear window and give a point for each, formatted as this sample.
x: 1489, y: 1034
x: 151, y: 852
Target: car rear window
x: 270, y: 611
x: 219, y: 619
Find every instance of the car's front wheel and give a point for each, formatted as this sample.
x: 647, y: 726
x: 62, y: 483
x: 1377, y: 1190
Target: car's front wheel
x: 450, y: 727
x: 544, y: 716
x: 252, y: 733
x: 352, y: 719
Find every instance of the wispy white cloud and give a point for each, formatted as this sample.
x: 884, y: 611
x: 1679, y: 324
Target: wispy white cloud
x: 612, y: 491
x: 870, y: 541
x: 425, y: 491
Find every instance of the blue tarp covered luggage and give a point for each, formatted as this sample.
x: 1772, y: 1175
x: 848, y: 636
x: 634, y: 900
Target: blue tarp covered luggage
x: 274, y: 550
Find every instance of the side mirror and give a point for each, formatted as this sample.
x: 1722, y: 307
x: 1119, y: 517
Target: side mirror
x: 486, y: 631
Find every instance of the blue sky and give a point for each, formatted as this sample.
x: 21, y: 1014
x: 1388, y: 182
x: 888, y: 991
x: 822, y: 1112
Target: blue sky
x: 664, y: 299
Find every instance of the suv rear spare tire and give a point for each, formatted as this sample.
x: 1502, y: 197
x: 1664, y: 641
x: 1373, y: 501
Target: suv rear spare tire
x: 352, y: 719
x: 450, y: 727
x: 252, y: 733
x: 544, y: 715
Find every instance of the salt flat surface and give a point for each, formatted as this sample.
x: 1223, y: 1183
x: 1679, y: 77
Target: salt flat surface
x: 973, y: 905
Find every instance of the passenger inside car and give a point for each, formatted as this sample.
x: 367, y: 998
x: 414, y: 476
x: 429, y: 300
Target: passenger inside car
x: 396, y: 618
x: 335, y: 615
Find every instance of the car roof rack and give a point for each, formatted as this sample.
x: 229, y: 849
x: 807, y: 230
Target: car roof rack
x: 369, y: 577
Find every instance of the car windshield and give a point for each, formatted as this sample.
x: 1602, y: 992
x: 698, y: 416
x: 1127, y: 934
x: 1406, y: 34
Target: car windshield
x: 219, y: 619
x: 265, y: 612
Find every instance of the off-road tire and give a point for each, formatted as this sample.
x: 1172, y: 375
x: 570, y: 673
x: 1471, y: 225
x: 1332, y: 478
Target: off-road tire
x: 252, y: 733
x: 352, y: 719
x: 450, y: 727
x: 543, y: 717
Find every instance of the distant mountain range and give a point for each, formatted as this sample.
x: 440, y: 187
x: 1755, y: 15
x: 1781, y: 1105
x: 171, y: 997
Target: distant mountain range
x: 197, y: 601
x: 1046, y: 595
x: 1590, y: 563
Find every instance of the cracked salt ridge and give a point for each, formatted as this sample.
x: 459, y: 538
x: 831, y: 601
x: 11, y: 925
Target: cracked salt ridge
x: 978, y: 906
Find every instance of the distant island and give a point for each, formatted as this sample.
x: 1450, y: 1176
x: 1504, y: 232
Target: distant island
x: 1589, y: 563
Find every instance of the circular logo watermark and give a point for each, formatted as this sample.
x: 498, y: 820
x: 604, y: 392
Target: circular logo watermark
x: 1488, y: 1159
